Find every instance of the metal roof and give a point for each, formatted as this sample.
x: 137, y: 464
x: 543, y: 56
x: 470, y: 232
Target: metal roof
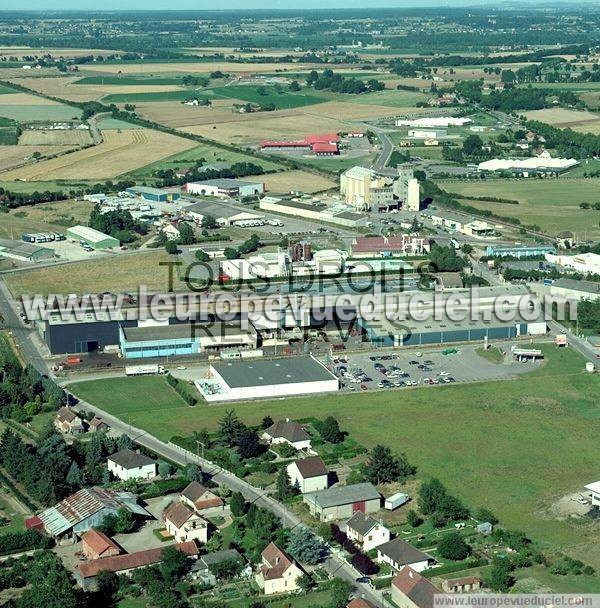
x: 89, y: 234
x: 238, y: 374
x: 85, y: 503
x: 343, y: 495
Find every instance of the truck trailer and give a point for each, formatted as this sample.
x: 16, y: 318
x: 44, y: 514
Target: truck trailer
x: 144, y: 370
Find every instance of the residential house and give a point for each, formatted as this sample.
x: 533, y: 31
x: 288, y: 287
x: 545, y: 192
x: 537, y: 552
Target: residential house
x: 411, y: 590
x: 484, y: 528
x: 67, y: 421
x: 278, y: 572
x: 185, y: 524
x: 85, y: 574
x: 341, y: 502
x: 95, y: 544
x: 466, y: 584
x: 366, y: 532
x: 309, y: 474
x: 398, y: 553
x: 87, y: 508
x: 197, y: 497
x: 171, y: 232
x: 127, y: 464
x: 98, y: 425
x: 287, y: 431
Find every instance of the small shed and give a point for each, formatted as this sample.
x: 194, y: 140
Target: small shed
x: 484, y: 528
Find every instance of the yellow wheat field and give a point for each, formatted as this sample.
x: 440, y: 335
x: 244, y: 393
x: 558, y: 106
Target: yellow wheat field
x: 287, y: 181
x: 47, y: 137
x: 119, y: 153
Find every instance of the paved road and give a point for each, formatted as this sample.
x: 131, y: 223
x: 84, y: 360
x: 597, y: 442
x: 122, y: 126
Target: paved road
x: 387, y: 147
x: 334, y: 564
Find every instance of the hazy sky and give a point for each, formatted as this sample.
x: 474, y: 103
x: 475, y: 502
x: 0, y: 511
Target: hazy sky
x: 225, y: 4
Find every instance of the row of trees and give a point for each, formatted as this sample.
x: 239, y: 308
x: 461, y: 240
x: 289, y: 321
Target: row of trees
x: 195, y: 173
x: 329, y: 80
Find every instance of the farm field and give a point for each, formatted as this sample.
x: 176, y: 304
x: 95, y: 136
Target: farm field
x: 64, y: 88
x: 118, y: 272
x: 553, y: 204
x: 141, y: 81
x: 177, y: 115
x: 198, y: 67
x: 4, y: 90
x: 583, y: 121
x: 46, y: 137
x: 23, y: 107
x: 14, y: 156
x: 156, y: 94
x: 506, y: 442
x: 120, y: 152
x: 296, y: 180
x: 47, y: 217
x: 201, y: 151
x: 282, y: 101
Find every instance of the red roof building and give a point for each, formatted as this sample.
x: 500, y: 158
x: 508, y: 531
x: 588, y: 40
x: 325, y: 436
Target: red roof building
x: 95, y: 544
x: 319, y: 143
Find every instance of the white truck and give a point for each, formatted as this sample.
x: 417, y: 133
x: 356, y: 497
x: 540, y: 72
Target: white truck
x: 144, y: 370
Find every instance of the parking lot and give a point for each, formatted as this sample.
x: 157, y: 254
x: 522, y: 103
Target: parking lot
x: 401, y: 369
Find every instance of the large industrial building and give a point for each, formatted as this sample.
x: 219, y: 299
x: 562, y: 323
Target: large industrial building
x: 154, y: 195
x: 543, y: 163
x: 335, y: 213
x: 320, y: 144
x: 183, y: 339
x: 573, y: 289
x: 401, y: 244
x: 363, y: 188
x: 266, y: 378
x: 24, y: 252
x: 519, y: 251
x: 232, y: 188
x: 93, y: 238
x: 433, y: 122
x: 437, y: 325
x: 587, y: 263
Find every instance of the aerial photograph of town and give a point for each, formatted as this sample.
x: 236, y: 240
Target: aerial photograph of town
x: 300, y: 304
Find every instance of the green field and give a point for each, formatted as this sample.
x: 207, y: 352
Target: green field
x: 206, y: 151
x: 395, y: 99
x: 52, y: 186
x: 514, y: 446
x: 335, y: 164
x: 4, y: 90
x: 552, y: 204
x: 9, y: 132
x: 38, y: 113
x: 181, y: 95
x: 133, y: 80
x: 282, y: 100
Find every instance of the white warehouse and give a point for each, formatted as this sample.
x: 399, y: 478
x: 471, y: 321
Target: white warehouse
x: 266, y: 378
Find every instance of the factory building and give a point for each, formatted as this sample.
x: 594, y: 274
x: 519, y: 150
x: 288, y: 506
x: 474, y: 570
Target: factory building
x: 24, y: 252
x: 519, y: 251
x: 154, y: 195
x: 407, y: 188
x: 573, y: 289
x: 543, y: 163
x: 320, y: 144
x: 480, y: 322
x: 384, y: 246
x: 427, y: 134
x: 183, y: 339
x: 433, y: 122
x: 587, y: 263
x: 232, y: 188
x: 93, y: 238
x: 363, y: 188
x: 266, y: 378
x: 336, y: 213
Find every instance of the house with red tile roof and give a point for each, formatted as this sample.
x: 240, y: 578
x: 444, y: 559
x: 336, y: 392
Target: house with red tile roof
x: 95, y: 544
x: 185, y: 524
x: 411, y: 590
x: 200, y: 498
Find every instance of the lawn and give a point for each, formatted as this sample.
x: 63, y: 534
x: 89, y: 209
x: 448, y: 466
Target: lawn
x: 389, y: 97
x: 514, y: 446
x: 282, y: 100
x: 118, y: 273
x: 552, y: 204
